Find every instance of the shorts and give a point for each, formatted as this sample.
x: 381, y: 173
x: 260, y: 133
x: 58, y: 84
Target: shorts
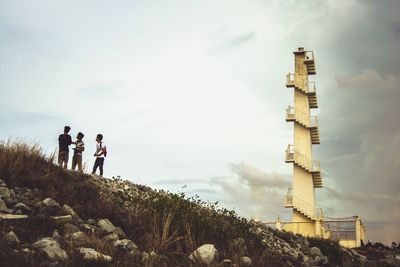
x: 63, y: 156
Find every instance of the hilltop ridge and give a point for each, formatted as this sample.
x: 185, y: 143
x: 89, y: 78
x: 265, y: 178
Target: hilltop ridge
x: 53, y: 217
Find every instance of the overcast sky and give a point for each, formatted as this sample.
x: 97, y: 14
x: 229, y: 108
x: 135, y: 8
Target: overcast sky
x: 190, y: 95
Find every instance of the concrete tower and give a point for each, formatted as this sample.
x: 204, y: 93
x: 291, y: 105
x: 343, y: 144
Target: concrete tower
x: 307, y: 219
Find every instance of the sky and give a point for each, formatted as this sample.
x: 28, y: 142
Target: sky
x: 190, y: 95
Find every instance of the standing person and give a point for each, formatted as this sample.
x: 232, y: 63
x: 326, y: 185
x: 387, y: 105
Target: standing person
x: 64, y: 141
x: 101, y: 153
x: 78, y: 150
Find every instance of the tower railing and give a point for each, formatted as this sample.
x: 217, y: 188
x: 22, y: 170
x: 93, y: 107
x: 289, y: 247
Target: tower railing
x: 302, y: 117
x: 313, y: 122
x: 303, y: 206
x: 307, y: 86
x: 311, y: 88
x: 309, y: 56
x: 307, y: 163
x: 290, y: 79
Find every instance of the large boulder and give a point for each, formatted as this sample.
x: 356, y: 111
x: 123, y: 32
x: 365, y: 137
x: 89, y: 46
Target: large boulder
x: 51, y: 248
x: 205, y: 254
x: 91, y: 255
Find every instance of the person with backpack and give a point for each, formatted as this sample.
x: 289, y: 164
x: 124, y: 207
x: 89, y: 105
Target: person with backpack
x: 64, y: 141
x: 78, y: 150
x: 101, y: 153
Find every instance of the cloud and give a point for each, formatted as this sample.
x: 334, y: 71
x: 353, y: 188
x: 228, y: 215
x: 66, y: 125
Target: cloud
x: 396, y: 28
x: 254, y: 193
x: 240, y: 39
x: 256, y: 178
x: 368, y: 79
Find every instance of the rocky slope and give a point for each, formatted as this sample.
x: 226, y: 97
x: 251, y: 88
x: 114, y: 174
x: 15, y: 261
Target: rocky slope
x: 50, y: 217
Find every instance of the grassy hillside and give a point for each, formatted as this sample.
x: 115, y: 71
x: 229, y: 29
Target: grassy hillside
x: 170, y: 225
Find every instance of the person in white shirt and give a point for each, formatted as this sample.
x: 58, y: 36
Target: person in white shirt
x: 101, y: 153
x: 78, y: 150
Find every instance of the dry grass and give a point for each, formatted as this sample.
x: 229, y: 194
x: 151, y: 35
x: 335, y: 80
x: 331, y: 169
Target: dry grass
x: 167, y: 223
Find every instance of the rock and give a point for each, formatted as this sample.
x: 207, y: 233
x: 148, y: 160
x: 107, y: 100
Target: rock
x: 69, y: 229
x: 363, y: 259
x: 354, y: 252
x: 12, y: 194
x: 2, y: 183
x: 70, y: 211
x: 245, y: 261
x: 9, y: 201
x: 3, y: 206
x: 106, y: 225
x: 51, y: 248
x: 5, y: 192
x: 12, y: 217
x: 61, y: 219
x: 125, y: 244
x: 111, y: 237
x: 119, y: 232
x: 91, y: 221
x: 49, y: 202
x: 88, y: 229
x: 79, y: 238
x: 292, y: 252
x: 91, y: 255
x: 25, y: 250
x: 19, y: 212
x: 314, y: 251
x: 205, y: 254
x: 56, y: 236
x: 324, y: 260
x: 225, y: 263
x: 11, y: 238
x: 24, y: 208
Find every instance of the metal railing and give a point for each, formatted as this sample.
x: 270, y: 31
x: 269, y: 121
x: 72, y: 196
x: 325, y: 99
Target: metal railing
x: 311, y: 88
x: 309, y: 56
x: 313, y: 122
x: 290, y: 78
x: 306, y: 86
x: 302, y: 160
x: 302, y: 117
x: 304, y: 207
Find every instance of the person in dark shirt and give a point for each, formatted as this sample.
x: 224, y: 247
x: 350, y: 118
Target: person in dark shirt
x: 64, y: 141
